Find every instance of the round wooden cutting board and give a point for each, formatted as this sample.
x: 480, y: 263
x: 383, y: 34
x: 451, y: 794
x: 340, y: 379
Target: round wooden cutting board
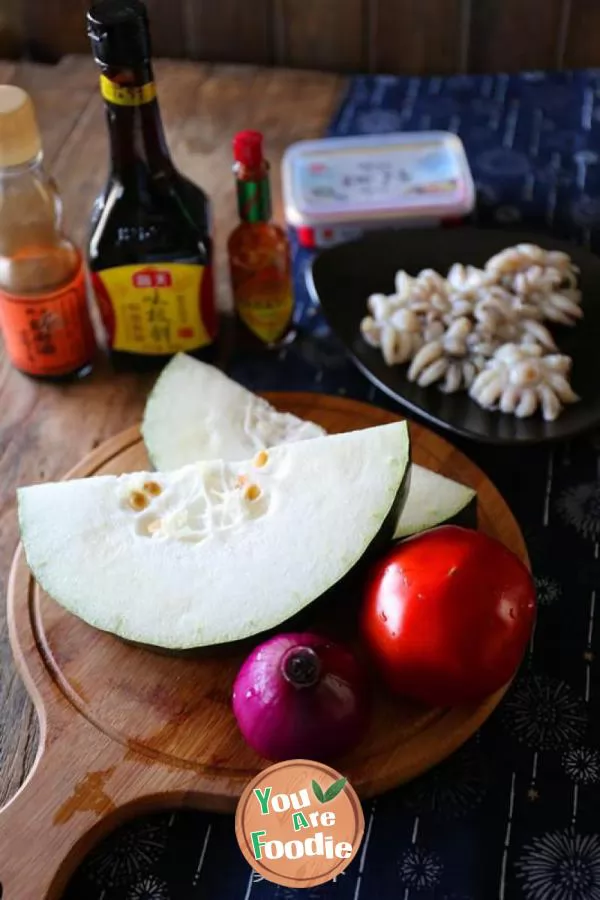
x: 125, y: 729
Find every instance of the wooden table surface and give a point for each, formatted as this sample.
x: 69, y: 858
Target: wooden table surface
x: 45, y: 429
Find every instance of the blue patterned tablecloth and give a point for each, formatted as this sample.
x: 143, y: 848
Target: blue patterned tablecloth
x: 516, y: 812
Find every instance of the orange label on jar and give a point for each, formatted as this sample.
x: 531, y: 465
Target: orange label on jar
x: 157, y: 309
x: 265, y: 303
x: 48, y: 334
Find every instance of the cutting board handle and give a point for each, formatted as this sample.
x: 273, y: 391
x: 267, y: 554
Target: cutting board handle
x: 63, y: 808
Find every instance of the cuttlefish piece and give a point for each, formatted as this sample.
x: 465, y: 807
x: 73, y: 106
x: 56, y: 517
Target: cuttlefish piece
x: 521, y: 380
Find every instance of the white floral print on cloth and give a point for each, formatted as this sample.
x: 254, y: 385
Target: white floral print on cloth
x: 420, y: 869
x: 149, y: 888
x: 561, y: 865
x: 129, y: 853
x: 545, y: 713
x: 579, y: 506
x: 451, y: 790
x: 582, y: 764
x: 548, y: 590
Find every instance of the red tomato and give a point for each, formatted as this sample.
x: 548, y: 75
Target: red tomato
x: 447, y: 616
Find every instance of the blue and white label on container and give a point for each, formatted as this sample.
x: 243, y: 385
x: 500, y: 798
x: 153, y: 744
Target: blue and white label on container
x: 353, y: 178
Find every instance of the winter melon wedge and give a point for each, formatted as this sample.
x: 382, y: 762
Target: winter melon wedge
x: 432, y: 500
x: 215, y: 551
x: 196, y: 412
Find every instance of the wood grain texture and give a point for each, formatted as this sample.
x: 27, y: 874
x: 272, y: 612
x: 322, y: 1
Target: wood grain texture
x: 7, y: 71
x: 167, y: 26
x: 46, y: 429
x: 232, y: 31
x: 312, y: 34
x: 11, y: 29
x: 47, y: 40
x: 50, y: 32
x: 509, y: 35
x: 582, y: 47
x: 398, y: 36
x: 124, y: 728
x: 417, y: 36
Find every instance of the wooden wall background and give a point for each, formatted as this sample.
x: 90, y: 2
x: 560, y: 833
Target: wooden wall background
x: 406, y: 36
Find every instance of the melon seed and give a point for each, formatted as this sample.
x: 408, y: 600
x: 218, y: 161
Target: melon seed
x: 154, y: 526
x: 261, y: 459
x: 138, y: 501
x: 252, y: 492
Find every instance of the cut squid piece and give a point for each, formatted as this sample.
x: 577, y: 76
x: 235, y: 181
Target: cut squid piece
x: 379, y: 306
x: 371, y: 331
x: 509, y: 399
x: 454, y: 379
x: 527, y: 404
x: 561, y: 387
x: 487, y: 395
x: 521, y: 381
x: 398, y: 346
x: 533, y: 331
x: 558, y: 362
x: 563, y: 308
x: 433, y: 372
x: 424, y: 358
x: 404, y: 284
x: 468, y: 279
x: 405, y: 320
x: 445, y: 360
x: 551, y: 405
x: 524, y: 256
x: 452, y: 330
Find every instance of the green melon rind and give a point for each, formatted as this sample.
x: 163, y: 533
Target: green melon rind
x: 435, y: 500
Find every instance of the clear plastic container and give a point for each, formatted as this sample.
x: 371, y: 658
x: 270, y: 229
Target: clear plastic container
x: 337, y: 188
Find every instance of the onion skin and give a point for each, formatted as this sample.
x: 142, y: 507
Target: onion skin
x: 319, y: 710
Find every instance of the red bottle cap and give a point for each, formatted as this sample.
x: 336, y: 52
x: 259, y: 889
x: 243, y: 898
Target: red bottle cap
x: 306, y: 237
x: 247, y: 149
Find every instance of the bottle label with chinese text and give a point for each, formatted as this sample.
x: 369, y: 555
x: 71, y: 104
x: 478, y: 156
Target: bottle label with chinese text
x: 158, y: 309
x: 49, y: 334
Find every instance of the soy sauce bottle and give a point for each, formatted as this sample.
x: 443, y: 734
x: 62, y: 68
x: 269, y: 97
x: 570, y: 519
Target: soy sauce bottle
x: 150, y: 250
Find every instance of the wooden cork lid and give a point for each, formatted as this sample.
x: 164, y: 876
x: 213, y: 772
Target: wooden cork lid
x: 19, y: 133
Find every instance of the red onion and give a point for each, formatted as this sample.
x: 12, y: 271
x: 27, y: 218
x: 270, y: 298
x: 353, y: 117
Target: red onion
x: 300, y: 696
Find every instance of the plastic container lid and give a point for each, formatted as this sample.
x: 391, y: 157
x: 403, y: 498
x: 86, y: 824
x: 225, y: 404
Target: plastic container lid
x: 408, y: 175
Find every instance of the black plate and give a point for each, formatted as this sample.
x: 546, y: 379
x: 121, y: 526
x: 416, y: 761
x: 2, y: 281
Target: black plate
x: 343, y: 277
